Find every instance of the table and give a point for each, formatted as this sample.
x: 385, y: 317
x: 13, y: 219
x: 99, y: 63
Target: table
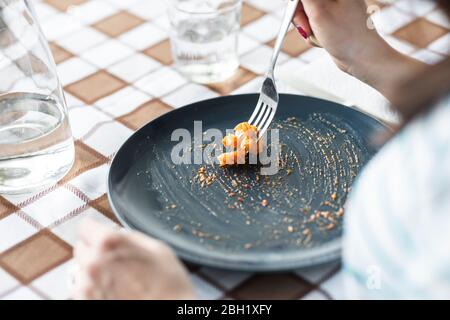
x: 113, y: 58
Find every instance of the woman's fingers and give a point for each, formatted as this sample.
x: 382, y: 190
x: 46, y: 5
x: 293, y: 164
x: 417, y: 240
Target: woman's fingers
x: 81, y: 287
x: 319, y: 5
x: 301, y: 22
x: 92, y: 267
x: 92, y: 232
x: 115, y: 265
x: 85, y: 287
x: 83, y: 254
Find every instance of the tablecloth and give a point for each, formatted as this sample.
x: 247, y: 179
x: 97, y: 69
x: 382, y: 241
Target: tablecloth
x: 113, y: 58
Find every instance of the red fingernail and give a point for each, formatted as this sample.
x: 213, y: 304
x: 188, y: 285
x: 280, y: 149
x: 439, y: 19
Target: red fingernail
x: 302, y: 32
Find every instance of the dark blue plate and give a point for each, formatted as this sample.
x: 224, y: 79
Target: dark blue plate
x: 242, y: 220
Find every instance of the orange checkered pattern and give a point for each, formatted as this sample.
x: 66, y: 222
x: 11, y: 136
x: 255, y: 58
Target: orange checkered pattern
x: 113, y: 58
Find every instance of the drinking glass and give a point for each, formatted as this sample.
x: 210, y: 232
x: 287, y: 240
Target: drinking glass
x: 36, y: 146
x: 204, y: 38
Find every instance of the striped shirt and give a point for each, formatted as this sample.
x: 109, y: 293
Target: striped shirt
x: 397, y: 227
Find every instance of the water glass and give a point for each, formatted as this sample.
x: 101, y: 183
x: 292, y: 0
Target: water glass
x: 204, y: 38
x: 36, y: 146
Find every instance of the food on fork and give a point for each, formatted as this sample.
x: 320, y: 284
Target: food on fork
x: 230, y: 141
x: 243, y: 141
x: 245, y: 128
x: 228, y: 158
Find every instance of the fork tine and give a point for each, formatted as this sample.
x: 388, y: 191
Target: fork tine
x: 268, y: 93
x: 261, y: 114
x: 267, y: 124
x: 258, y: 108
x: 264, y: 118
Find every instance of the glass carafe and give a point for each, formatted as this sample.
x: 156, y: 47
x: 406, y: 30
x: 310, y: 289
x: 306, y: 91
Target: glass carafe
x: 36, y: 146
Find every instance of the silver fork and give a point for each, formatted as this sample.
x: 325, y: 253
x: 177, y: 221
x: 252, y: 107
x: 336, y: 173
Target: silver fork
x: 268, y: 98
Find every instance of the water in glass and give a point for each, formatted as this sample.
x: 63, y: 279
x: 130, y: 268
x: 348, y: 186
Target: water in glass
x: 36, y: 146
x: 204, y: 37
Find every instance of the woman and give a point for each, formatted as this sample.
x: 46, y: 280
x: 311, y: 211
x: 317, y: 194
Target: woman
x: 396, y: 230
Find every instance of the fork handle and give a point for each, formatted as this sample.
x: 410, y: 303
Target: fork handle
x: 287, y: 19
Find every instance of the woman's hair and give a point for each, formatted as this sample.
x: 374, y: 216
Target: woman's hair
x: 445, y: 4
x: 418, y: 95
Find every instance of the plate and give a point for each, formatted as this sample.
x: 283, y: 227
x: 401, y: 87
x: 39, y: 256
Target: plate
x: 238, y: 218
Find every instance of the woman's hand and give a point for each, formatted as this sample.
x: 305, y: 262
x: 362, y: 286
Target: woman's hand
x: 341, y: 26
x: 116, y: 265
x: 344, y: 29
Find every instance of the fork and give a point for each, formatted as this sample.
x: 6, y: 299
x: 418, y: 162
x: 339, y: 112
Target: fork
x: 268, y: 98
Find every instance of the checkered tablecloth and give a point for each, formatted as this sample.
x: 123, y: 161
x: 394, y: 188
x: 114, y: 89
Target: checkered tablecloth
x: 115, y: 64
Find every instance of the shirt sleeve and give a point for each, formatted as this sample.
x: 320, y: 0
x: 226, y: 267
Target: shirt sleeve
x: 397, y: 226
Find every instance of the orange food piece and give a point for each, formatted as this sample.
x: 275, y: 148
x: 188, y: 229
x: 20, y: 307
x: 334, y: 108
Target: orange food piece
x: 261, y: 145
x: 245, y: 140
x: 252, y: 146
x: 248, y: 144
x: 227, y: 158
x: 245, y: 127
x: 230, y: 158
x: 230, y: 141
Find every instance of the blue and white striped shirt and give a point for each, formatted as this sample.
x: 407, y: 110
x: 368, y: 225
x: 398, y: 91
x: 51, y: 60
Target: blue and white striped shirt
x: 397, y: 227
